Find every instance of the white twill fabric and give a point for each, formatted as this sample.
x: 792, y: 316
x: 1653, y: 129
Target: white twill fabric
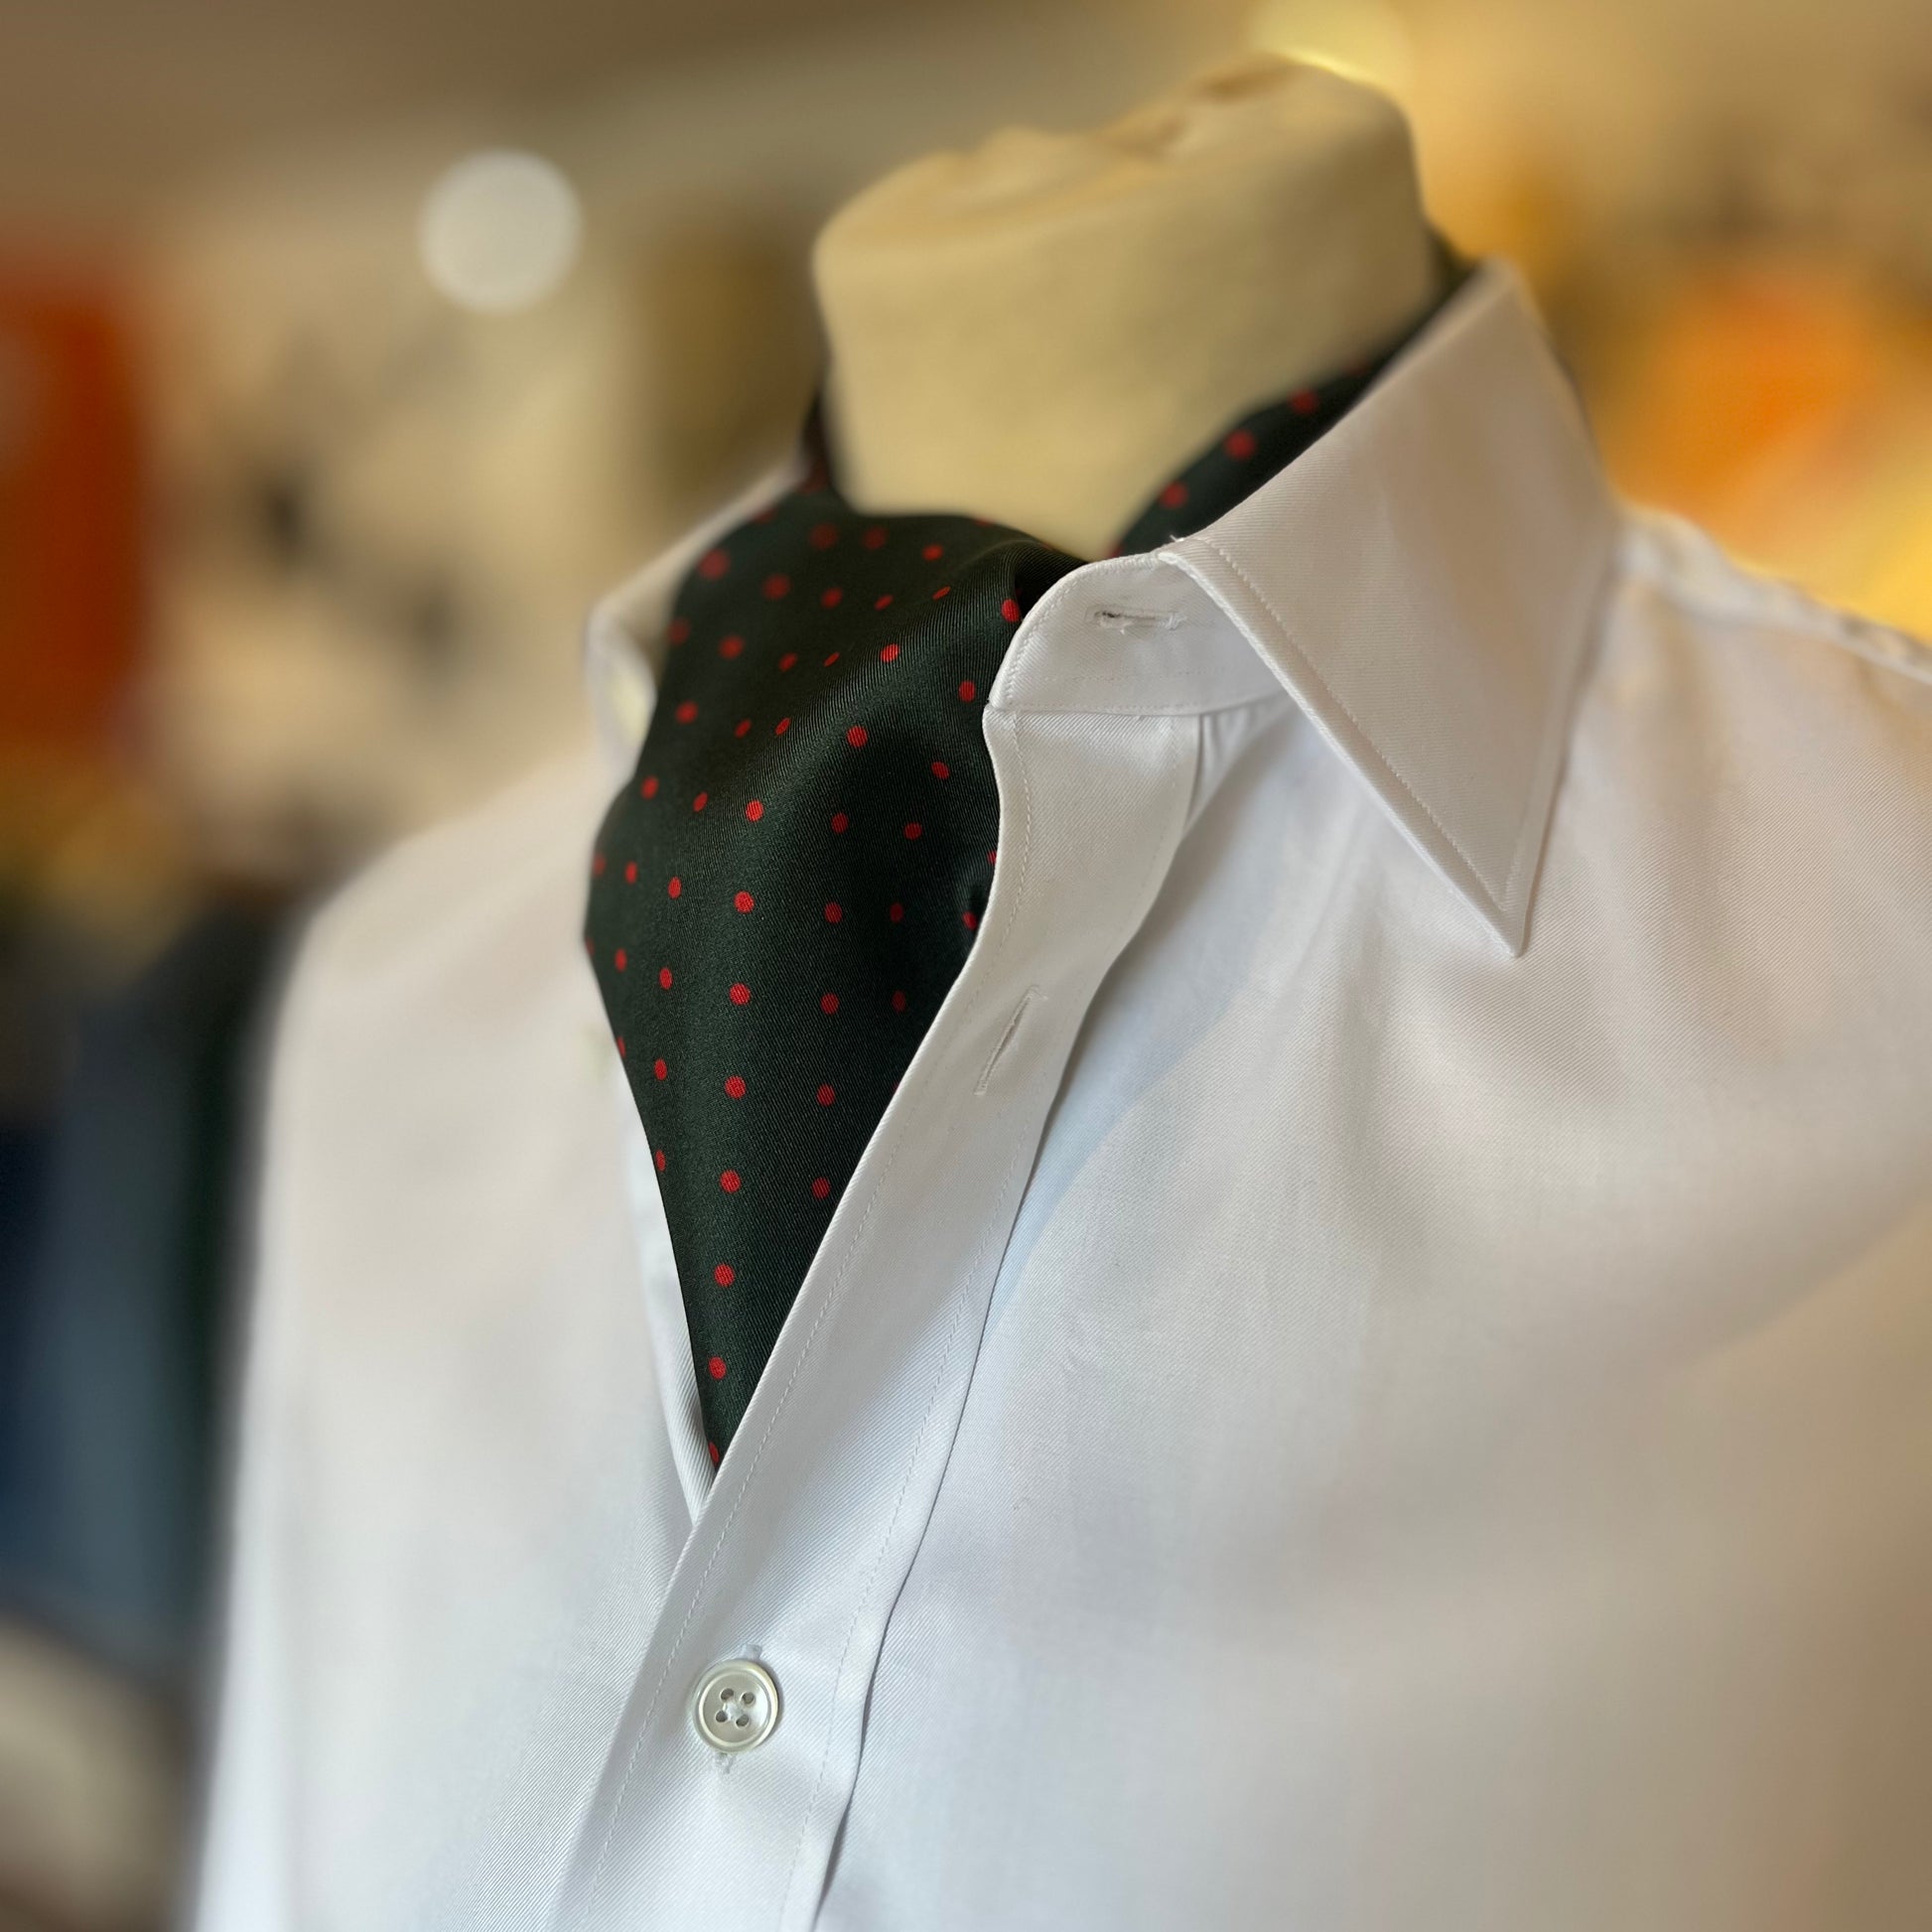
x: 1375, y: 1377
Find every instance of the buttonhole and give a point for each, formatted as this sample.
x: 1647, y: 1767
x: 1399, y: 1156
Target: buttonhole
x: 1027, y: 999
x: 1128, y: 622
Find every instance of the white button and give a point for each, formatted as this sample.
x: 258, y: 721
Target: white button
x: 736, y: 1706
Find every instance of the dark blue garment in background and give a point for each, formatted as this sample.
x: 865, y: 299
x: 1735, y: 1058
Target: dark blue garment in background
x: 114, y: 1340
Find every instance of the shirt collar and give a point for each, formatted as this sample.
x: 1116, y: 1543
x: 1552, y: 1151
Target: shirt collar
x: 1423, y: 582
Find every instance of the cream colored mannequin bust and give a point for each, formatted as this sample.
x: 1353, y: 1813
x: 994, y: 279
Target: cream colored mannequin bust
x: 1042, y: 330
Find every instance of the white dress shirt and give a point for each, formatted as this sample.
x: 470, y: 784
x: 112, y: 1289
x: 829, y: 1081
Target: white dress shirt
x: 1375, y: 1377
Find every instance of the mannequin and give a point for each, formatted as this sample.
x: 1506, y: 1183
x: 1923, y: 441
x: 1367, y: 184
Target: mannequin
x: 1040, y: 330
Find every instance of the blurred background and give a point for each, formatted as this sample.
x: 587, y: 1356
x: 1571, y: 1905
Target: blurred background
x: 347, y: 352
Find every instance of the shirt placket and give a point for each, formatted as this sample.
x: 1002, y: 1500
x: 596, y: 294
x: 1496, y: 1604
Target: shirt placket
x: 808, y: 1534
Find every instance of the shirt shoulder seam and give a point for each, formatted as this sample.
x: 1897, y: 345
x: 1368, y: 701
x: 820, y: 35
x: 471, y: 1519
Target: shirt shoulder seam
x: 1660, y: 550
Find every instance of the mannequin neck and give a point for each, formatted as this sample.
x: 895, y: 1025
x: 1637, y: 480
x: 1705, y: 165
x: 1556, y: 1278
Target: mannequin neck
x: 1043, y: 331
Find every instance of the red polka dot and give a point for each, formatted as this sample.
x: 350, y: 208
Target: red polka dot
x: 840, y: 821
x: 597, y: 864
x: 675, y: 888
x: 821, y: 1187
x: 741, y: 994
x: 731, y: 646
x: 664, y: 978
x: 724, y: 1274
x: 971, y: 920
x: 913, y: 829
x: 827, y: 1095
x: 620, y: 959
x: 1240, y: 443
x: 874, y: 538
x: 735, y: 1085
x: 831, y: 596
x: 780, y: 727
x: 932, y: 552
x: 686, y: 711
x: 1302, y: 402
x: 856, y: 735
x: 714, y: 564
x: 660, y: 1158
x: 828, y: 1002
x: 940, y: 768
x: 776, y: 585
x: 833, y: 912
x: 649, y: 786
x: 896, y: 911
x: 788, y: 661
x: 889, y: 655
x: 1010, y: 609
x: 713, y: 1448
x: 730, y: 1180
x: 823, y: 537
x: 631, y: 872
x: 992, y: 857
x: 968, y: 690
x: 742, y: 901
x: 899, y: 1001
x: 831, y: 661
x: 677, y: 631
x: 701, y: 801
x: 944, y: 589
x: 1173, y: 496
x: 883, y: 603
x: 623, y: 1052
x: 717, y: 1368
x: 755, y: 810
x: 662, y: 1071
x: 741, y: 727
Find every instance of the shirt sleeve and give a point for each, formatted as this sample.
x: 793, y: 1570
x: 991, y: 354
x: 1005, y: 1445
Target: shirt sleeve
x: 244, y: 1870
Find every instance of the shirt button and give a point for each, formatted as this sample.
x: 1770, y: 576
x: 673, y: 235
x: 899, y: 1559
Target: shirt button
x: 736, y: 1704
